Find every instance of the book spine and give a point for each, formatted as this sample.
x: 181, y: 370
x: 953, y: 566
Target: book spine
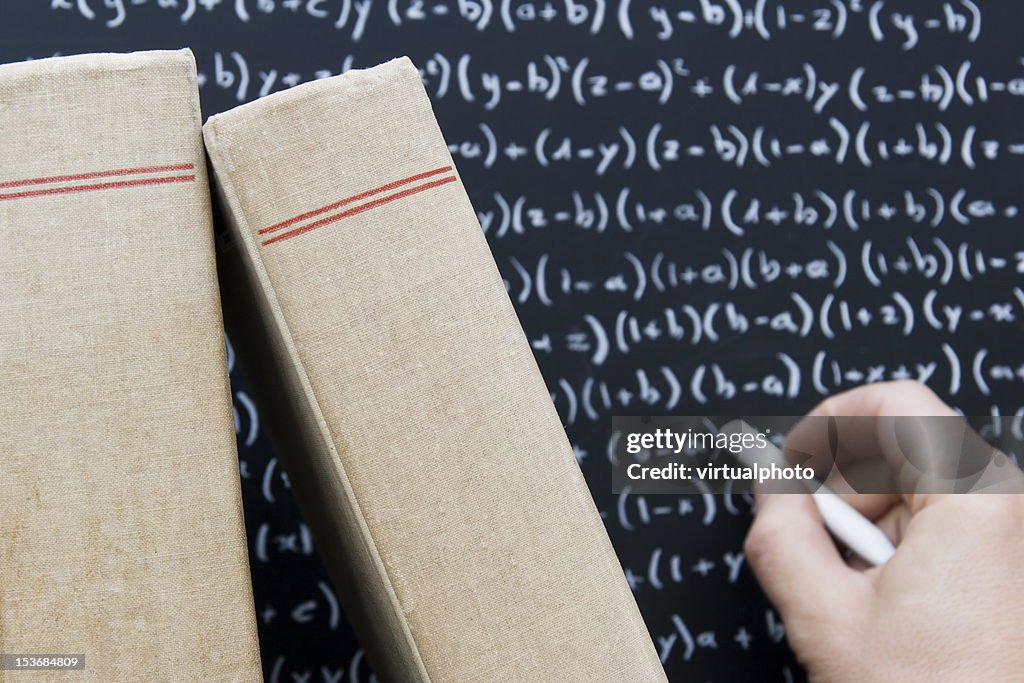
x: 122, y: 537
x: 268, y: 355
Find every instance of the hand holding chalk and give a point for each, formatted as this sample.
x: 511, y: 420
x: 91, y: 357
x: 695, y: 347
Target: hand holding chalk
x: 852, y: 528
x: 943, y: 607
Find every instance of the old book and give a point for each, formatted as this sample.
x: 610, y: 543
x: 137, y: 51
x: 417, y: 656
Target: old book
x: 417, y: 430
x: 121, y: 534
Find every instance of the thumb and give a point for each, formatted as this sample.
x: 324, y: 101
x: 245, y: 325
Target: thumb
x: 799, y: 567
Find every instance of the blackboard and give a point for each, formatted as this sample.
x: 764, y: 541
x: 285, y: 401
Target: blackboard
x: 702, y: 207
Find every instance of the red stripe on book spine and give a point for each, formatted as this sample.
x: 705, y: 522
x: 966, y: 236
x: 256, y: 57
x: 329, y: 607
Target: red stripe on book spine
x: 96, y: 174
x: 354, y: 198
x: 359, y: 209
x: 98, y: 186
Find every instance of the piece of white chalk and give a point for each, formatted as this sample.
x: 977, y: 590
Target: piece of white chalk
x: 855, y: 530
x: 852, y: 528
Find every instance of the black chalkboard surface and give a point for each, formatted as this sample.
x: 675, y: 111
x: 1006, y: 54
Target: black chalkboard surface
x: 699, y: 207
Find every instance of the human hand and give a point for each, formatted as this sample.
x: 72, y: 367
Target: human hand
x: 949, y: 605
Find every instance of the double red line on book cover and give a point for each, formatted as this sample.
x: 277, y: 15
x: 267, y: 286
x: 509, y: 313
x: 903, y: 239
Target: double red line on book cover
x: 102, y: 180
x: 447, y: 176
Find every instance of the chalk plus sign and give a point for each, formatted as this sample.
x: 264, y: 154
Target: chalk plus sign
x: 703, y: 566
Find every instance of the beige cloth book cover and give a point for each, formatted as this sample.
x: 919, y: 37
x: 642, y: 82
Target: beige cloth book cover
x: 422, y: 442
x: 121, y: 534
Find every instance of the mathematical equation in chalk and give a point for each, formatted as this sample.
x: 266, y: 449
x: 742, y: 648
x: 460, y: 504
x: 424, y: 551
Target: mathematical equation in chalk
x: 784, y: 376
x: 761, y: 20
x: 738, y: 212
x: 751, y: 269
x: 663, y: 82
x: 630, y: 334
x: 682, y: 643
x: 357, y: 670
x: 658, y: 149
x: 666, y: 80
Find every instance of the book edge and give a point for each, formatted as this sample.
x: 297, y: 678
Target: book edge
x: 138, y: 59
x: 187, y: 60
x: 350, y: 81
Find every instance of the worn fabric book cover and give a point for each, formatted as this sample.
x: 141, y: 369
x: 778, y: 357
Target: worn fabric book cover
x: 121, y: 534
x: 417, y: 430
